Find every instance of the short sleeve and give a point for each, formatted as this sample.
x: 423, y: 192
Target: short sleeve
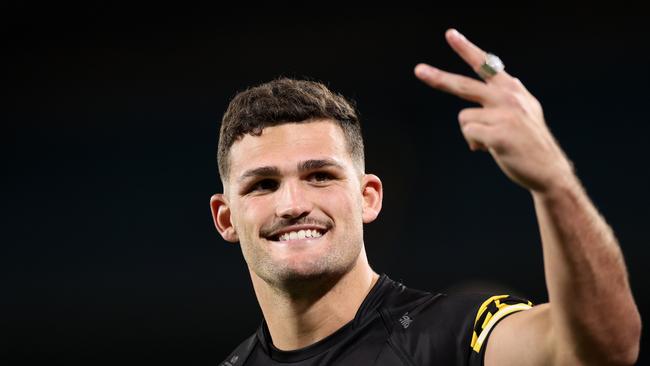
x: 488, y: 314
x: 451, y: 329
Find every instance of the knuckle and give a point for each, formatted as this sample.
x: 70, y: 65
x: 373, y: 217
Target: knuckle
x: 463, y: 115
x: 498, y: 140
x: 511, y: 116
x: 518, y: 102
x: 511, y: 98
x: 468, y: 129
x: 517, y: 84
x: 434, y: 79
x: 463, y: 87
x: 537, y: 106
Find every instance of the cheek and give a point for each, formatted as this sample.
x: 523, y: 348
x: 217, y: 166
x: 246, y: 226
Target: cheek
x: 250, y: 213
x: 342, y: 203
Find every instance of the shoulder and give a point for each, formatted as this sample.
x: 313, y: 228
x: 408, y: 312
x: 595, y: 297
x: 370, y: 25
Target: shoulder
x: 491, y: 311
x: 239, y: 355
x: 450, y: 329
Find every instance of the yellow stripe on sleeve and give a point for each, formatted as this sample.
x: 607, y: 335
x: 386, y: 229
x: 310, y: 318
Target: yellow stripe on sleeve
x: 477, y: 342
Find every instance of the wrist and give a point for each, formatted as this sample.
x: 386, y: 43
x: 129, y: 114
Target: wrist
x: 560, y: 186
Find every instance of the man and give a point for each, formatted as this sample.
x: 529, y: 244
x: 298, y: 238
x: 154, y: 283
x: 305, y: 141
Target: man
x: 296, y: 197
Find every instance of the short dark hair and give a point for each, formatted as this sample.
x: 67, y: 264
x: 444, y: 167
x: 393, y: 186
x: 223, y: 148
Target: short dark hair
x: 286, y: 100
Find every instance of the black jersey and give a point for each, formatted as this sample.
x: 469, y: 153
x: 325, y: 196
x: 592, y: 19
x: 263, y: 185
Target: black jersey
x: 395, y: 325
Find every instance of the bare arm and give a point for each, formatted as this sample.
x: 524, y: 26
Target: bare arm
x: 591, y: 317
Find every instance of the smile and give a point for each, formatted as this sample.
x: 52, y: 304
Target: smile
x: 298, y: 234
x: 301, y: 234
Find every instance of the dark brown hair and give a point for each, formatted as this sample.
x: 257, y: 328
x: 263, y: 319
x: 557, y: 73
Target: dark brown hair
x: 285, y: 100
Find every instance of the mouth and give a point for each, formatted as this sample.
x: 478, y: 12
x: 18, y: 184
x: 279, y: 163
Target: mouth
x: 291, y: 234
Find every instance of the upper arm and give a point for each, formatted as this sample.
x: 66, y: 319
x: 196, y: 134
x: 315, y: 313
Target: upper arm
x: 523, y: 338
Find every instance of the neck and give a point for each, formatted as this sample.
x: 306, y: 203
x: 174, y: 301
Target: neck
x: 320, y: 309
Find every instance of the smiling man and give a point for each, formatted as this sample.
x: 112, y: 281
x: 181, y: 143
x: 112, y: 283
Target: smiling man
x: 296, y: 196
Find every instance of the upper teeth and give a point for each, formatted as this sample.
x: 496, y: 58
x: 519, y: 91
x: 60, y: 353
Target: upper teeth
x: 300, y: 235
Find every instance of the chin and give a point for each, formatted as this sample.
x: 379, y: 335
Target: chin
x: 304, y: 272
x: 306, y: 277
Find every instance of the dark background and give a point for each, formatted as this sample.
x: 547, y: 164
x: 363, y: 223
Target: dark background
x: 109, y: 140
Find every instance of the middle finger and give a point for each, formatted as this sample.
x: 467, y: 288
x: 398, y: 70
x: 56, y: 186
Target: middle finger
x: 473, y: 55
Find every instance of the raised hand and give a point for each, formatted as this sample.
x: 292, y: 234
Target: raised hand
x: 510, y: 124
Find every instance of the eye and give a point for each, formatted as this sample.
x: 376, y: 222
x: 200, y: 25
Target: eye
x: 263, y: 185
x: 321, y: 177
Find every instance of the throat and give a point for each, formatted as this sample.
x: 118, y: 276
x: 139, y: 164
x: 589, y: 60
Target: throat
x: 295, y: 322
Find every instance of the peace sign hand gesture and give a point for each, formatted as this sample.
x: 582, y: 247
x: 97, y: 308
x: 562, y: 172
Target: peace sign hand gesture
x: 510, y: 124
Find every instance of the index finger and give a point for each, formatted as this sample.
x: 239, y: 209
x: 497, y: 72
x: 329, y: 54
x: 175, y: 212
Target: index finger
x: 473, y: 55
x: 459, y: 85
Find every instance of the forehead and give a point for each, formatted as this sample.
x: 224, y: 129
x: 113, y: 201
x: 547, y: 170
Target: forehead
x: 287, y: 144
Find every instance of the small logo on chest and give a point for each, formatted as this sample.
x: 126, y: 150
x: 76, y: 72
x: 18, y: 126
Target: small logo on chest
x: 405, y: 320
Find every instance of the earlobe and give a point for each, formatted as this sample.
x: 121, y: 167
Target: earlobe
x: 372, y: 195
x: 221, y: 216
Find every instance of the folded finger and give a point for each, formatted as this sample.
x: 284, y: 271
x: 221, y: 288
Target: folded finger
x: 488, y: 116
x: 478, y: 135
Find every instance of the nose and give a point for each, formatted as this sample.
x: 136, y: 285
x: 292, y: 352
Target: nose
x: 292, y: 201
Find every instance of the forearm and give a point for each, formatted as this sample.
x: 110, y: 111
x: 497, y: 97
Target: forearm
x: 592, y: 315
x: 591, y: 306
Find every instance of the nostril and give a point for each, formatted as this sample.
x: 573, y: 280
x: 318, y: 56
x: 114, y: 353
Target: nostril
x: 294, y: 214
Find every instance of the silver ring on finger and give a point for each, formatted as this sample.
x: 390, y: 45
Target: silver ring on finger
x: 490, y: 67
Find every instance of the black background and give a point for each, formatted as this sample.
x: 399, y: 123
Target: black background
x: 109, y: 139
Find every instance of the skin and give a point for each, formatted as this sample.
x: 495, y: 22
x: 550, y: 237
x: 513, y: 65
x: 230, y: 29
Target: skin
x: 591, y: 317
x: 310, y: 289
x: 307, y: 288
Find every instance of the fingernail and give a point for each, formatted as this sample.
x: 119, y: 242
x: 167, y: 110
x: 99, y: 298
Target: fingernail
x: 425, y: 70
x: 457, y: 34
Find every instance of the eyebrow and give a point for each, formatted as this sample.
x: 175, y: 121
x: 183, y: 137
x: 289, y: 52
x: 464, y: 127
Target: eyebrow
x: 303, y: 166
x: 317, y: 164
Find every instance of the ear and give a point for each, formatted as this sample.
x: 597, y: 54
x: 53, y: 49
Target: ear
x: 372, y: 195
x: 221, y: 217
